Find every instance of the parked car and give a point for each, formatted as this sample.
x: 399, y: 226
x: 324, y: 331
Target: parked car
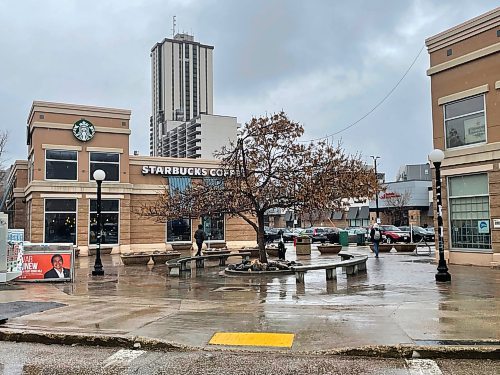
x: 270, y: 234
x: 419, y: 233
x: 391, y: 234
x: 333, y: 235
x: 288, y: 235
x: 317, y: 234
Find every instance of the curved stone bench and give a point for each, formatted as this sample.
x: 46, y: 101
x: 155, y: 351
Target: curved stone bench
x: 176, y: 266
x: 351, y: 263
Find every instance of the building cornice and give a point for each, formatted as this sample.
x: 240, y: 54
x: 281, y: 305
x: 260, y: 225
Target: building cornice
x: 101, y: 129
x: 76, y: 109
x: 494, y: 48
x: 463, y: 31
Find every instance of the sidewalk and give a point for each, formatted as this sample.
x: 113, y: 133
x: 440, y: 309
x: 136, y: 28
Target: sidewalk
x: 396, y: 302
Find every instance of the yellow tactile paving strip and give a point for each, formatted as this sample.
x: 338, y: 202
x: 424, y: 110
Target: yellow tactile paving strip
x: 283, y: 340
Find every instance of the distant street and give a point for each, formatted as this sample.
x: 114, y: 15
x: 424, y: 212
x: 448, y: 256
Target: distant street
x: 22, y: 358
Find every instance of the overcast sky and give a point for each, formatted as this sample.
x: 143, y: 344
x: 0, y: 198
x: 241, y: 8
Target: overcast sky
x: 326, y: 63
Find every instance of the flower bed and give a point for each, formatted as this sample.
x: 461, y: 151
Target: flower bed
x: 135, y: 259
x: 161, y: 258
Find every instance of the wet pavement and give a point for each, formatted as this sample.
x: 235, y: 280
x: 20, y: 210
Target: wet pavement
x: 396, y: 302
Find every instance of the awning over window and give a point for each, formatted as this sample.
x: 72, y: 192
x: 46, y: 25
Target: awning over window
x: 353, y: 212
x: 288, y: 216
x: 364, y: 212
x: 337, y: 215
x: 430, y: 213
x: 178, y: 184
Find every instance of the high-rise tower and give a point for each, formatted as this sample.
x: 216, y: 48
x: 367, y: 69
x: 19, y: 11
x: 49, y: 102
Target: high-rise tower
x: 182, y: 86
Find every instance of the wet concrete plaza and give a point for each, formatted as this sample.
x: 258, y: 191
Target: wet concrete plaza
x: 396, y: 302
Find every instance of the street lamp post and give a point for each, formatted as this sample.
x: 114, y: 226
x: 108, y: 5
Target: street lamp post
x: 436, y: 157
x: 376, y: 193
x: 99, y: 176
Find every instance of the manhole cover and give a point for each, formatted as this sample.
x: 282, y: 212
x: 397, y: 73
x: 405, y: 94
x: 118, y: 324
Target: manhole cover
x: 232, y: 289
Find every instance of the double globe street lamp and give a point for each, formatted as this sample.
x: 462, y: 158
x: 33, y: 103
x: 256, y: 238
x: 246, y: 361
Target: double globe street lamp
x: 99, y: 176
x: 436, y: 157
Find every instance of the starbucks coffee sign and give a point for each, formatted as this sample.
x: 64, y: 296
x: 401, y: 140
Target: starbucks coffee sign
x: 83, y: 130
x: 186, y: 171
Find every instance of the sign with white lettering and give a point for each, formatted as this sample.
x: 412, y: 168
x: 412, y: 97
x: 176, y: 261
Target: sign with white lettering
x: 186, y: 171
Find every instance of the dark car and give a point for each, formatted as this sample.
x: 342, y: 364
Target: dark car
x: 391, y: 234
x: 288, y: 235
x: 317, y: 234
x: 270, y: 234
x: 419, y: 233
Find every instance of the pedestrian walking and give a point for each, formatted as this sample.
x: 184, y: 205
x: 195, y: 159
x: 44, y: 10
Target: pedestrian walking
x: 375, y: 236
x: 199, y: 236
x: 281, y: 250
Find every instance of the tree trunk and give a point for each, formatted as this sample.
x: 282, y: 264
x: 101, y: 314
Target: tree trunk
x: 260, y: 238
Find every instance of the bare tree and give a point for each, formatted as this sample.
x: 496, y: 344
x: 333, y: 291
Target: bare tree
x: 397, y: 206
x: 3, y: 145
x: 268, y: 167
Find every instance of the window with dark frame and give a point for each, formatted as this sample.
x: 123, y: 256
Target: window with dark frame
x: 109, y: 162
x: 465, y: 122
x: 60, y: 221
x: 61, y: 165
x: 110, y: 221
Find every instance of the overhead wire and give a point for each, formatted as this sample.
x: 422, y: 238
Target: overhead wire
x: 376, y: 105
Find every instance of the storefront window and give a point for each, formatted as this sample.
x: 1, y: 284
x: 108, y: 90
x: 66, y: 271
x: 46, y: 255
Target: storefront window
x: 179, y: 230
x: 109, y: 162
x: 110, y: 220
x: 214, y: 227
x: 61, y: 165
x: 465, y: 122
x: 469, y: 212
x: 60, y: 220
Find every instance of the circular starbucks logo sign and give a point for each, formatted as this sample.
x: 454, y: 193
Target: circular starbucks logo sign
x: 83, y: 130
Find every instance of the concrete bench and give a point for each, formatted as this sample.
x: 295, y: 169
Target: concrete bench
x: 176, y: 266
x: 350, y: 263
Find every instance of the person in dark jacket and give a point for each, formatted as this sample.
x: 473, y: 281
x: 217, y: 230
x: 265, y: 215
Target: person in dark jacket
x: 57, y: 271
x: 281, y: 250
x: 199, y: 236
x: 375, y: 236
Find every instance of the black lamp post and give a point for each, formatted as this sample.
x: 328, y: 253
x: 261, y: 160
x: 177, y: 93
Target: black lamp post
x: 99, y: 176
x: 376, y: 195
x: 436, y: 157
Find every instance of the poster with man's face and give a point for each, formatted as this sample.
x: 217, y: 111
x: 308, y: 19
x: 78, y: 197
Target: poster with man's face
x: 47, y: 267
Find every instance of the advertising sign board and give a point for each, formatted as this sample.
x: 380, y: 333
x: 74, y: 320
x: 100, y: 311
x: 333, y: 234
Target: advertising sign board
x: 47, y: 263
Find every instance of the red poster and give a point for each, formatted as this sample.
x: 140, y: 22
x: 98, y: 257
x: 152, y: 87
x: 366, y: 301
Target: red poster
x: 46, y: 266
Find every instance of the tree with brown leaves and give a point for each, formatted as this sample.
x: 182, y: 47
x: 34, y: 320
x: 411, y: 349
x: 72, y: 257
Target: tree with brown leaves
x: 268, y: 167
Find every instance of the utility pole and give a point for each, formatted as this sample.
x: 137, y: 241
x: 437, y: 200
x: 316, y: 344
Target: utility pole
x: 376, y: 193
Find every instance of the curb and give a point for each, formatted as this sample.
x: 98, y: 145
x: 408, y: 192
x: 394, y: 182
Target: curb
x: 138, y: 342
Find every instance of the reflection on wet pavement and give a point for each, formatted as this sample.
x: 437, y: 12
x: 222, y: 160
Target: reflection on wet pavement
x: 396, y: 301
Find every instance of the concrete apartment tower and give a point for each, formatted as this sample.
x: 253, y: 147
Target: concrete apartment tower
x: 182, y: 88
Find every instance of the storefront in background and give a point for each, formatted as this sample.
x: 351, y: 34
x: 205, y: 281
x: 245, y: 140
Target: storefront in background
x: 66, y: 144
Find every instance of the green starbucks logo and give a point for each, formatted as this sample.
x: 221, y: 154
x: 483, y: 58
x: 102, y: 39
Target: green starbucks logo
x: 83, y: 130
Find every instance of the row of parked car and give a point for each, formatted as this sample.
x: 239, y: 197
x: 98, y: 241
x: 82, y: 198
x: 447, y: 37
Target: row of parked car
x: 390, y: 234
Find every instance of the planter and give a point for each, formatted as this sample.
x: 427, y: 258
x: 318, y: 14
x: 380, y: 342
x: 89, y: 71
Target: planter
x: 161, y: 258
x: 181, y: 246
x: 383, y: 248
x: 135, y: 259
x: 273, y: 251
x: 329, y: 249
x: 405, y: 248
x: 104, y: 251
x: 216, y: 245
x: 254, y: 252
